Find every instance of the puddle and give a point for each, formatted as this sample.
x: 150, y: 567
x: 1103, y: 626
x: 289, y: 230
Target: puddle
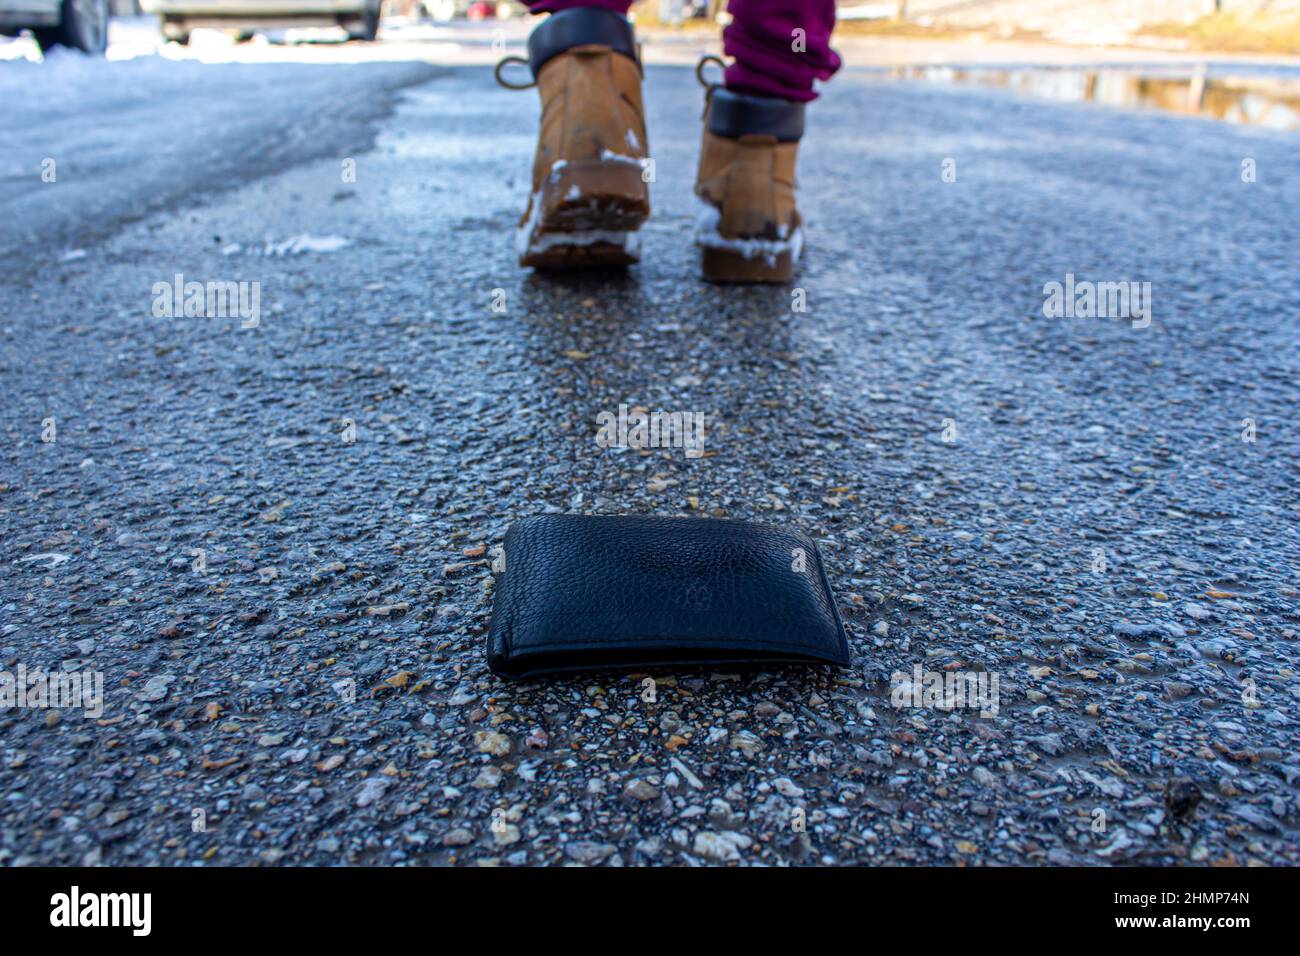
x: 1267, y: 99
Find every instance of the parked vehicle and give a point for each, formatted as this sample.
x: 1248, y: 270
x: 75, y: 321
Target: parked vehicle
x: 80, y: 24
x: 177, y: 18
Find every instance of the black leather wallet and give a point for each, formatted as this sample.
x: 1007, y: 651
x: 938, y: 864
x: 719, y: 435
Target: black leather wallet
x: 588, y: 592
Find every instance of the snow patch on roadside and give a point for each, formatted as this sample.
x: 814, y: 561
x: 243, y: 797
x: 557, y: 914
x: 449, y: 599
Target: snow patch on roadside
x: 295, y: 245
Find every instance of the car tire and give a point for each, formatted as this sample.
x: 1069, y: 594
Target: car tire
x: 368, y: 27
x: 174, y: 31
x: 83, y: 25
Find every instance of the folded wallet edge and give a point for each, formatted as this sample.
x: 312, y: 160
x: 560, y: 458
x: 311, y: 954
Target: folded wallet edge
x: 504, y: 663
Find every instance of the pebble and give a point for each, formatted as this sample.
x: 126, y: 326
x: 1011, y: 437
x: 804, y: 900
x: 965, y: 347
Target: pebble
x: 641, y: 790
x: 155, y: 688
x: 588, y: 852
x: 488, y: 778
x: 787, y: 787
x: 1050, y: 744
x: 371, y: 790
x: 506, y: 835
x: 722, y: 847
x: 491, y: 742
x: 458, y: 837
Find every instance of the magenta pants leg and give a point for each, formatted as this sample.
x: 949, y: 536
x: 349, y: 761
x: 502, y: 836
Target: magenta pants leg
x: 778, y: 46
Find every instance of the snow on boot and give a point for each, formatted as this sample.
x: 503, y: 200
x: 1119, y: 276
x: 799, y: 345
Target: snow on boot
x: 747, y: 226
x: 589, y: 194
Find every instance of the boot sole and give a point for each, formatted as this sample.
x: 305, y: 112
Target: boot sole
x: 724, y: 265
x: 742, y: 258
x: 586, y: 215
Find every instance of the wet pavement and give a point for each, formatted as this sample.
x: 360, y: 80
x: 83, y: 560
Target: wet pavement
x: 1263, y: 97
x: 273, y: 541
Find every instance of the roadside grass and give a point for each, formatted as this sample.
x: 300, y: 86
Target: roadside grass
x: 1231, y: 33
x: 907, y: 29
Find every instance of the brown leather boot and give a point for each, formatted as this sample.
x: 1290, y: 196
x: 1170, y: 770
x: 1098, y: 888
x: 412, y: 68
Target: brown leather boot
x: 747, y: 226
x: 589, y: 193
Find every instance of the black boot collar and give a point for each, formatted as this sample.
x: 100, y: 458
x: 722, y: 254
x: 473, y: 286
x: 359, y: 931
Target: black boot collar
x: 734, y: 115
x: 579, y: 26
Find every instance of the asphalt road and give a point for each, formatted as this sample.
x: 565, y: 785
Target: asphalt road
x: 1066, y: 503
